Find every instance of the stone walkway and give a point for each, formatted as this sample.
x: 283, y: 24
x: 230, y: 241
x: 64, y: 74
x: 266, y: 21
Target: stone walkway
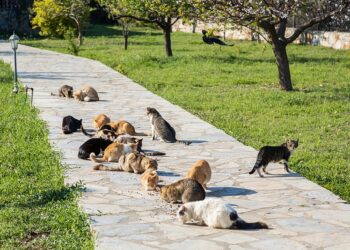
x: 302, y: 214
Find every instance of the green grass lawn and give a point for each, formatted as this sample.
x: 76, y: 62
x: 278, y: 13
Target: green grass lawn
x: 37, y: 211
x: 236, y: 89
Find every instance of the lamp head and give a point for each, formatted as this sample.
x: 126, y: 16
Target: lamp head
x: 14, y: 39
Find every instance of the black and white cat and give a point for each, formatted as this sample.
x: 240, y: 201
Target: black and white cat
x: 161, y: 128
x: 93, y: 145
x: 269, y: 154
x: 215, y: 213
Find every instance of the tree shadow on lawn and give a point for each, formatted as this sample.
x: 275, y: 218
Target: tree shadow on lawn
x: 43, y: 198
x: 102, y: 30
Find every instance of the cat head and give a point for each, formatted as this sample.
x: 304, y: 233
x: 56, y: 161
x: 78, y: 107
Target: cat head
x: 108, y: 134
x: 150, y: 163
x: 152, y: 180
x: 152, y: 112
x: 292, y: 144
x: 78, y: 95
x: 163, y: 191
x: 182, y: 214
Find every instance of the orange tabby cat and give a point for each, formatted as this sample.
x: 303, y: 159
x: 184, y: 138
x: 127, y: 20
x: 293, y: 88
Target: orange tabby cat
x: 201, y: 172
x: 150, y: 179
x: 86, y: 94
x: 114, y: 151
x: 124, y: 127
x: 101, y: 120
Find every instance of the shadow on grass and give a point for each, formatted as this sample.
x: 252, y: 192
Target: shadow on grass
x: 101, y: 30
x: 41, y: 199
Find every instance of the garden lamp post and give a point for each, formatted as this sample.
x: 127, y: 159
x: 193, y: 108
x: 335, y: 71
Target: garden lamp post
x: 14, y: 39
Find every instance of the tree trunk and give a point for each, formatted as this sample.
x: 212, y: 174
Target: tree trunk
x: 167, y: 36
x: 80, y: 37
x: 282, y: 62
x: 125, y: 42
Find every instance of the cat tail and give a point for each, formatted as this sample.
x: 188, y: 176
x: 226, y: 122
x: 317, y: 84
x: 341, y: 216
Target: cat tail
x: 156, y: 153
x: 256, y: 166
x: 105, y: 168
x: 184, y: 142
x: 84, y: 131
x: 241, y: 224
x: 143, y: 134
x: 95, y: 159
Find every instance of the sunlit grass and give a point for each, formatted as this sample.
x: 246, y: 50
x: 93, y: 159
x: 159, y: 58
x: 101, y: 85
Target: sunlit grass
x: 236, y: 89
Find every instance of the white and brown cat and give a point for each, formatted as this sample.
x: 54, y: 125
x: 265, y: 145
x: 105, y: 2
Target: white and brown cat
x: 86, y: 94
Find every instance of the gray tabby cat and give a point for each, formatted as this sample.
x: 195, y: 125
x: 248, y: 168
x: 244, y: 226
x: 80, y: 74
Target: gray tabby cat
x: 161, y: 128
x: 64, y: 91
x: 269, y: 154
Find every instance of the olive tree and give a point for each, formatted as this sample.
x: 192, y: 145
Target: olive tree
x: 271, y: 17
x: 163, y: 13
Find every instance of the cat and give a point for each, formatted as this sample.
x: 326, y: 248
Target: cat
x: 215, y: 213
x: 132, y: 162
x: 101, y: 120
x: 124, y: 127
x: 149, y: 180
x: 200, y: 172
x: 93, y: 145
x: 71, y: 124
x: 86, y: 94
x: 103, y: 133
x: 114, y: 151
x: 269, y: 154
x: 127, y: 139
x: 161, y: 128
x: 64, y: 91
x: 184, y: 190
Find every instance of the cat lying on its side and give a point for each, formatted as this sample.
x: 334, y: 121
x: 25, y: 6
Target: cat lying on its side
x: 215, y: 213
x: 132, y: 162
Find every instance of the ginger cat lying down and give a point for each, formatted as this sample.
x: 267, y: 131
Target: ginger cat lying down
x: 86, y: 94
x: 125, y: 127
x: 200, y: 172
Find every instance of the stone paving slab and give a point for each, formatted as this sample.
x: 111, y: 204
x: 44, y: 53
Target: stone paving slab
x: 302, y: 215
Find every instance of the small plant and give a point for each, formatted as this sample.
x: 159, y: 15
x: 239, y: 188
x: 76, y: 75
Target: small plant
x: 73, y: 48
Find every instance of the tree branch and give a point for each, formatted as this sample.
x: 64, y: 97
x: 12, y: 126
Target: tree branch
x: 314, y: 21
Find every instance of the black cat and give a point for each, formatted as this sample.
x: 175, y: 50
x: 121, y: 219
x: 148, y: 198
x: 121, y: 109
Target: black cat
x: 71, y: 125
x: 269, y: 154
x: 93, y: 145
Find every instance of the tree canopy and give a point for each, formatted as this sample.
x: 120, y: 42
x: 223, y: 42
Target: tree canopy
x: 270, y: 17
x: 163, y: 13
x: 55, y: 17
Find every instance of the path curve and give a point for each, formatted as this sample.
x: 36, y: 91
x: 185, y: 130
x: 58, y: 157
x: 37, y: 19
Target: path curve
x: 302, y: 214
